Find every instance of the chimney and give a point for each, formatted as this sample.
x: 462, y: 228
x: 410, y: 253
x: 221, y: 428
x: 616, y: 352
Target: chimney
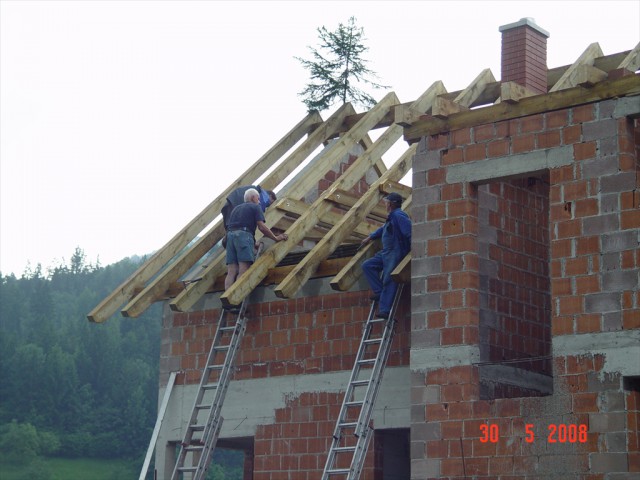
x: 524, y: 54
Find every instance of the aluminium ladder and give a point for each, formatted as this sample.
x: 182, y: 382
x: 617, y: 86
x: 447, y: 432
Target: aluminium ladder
x: 352, y: 432
x: 204, y: 426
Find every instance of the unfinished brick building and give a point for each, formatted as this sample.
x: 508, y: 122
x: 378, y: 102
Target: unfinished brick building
x: 517, y: 344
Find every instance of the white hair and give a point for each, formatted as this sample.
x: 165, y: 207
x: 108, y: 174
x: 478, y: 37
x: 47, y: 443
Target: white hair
x: 250, y: 193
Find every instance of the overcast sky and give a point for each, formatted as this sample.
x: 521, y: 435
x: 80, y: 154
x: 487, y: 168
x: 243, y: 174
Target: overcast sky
x: 121, y: 120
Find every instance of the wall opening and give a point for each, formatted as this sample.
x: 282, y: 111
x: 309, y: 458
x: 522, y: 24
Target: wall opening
x: 515, y: 297
x: 392, y: 454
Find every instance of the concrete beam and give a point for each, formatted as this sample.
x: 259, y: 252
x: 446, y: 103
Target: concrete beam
x: 621, y: 349
x: 424, y: 359
x: 492, y: 169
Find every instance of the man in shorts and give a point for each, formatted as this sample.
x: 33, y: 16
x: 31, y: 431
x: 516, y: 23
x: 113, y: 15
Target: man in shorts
x: 241, y: 232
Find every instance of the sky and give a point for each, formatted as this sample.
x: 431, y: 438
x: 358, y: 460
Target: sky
x: 121, y: 120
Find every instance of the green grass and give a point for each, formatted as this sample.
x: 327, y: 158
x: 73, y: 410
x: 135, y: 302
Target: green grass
x: 76, y: 469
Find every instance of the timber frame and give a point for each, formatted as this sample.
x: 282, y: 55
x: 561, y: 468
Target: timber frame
x: 191, y: 264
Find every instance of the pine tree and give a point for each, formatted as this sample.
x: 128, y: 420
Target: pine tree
x: 337, y: 74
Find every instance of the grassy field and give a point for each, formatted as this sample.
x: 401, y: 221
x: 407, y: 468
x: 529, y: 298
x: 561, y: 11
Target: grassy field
x: 72, y: 469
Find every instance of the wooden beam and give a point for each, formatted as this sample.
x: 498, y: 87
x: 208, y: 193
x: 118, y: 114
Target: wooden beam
x: 244, y: 285
x: 402, y: 273
x: 307, y: 266
x: 152, y: 292
x: 632, y: 61
x: 157, y: 286
x: 353, y: 270
x: 625, y: 86
x: 606, y: 64
x: 329, y: 217
x: 587, y: 76
x: 475, y: 89
x: 443, y: 107
x: 108, y: 306
x: 512, y: 92
x: 406, y: 114
x: 568, y: 78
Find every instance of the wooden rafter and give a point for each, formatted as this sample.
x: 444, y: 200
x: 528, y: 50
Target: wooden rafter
x: 151, y: 267
x: 353, y: 269
x: 570, y: 77
x: 241, y: 288
x: 351, y: 219
x: 188, y: 259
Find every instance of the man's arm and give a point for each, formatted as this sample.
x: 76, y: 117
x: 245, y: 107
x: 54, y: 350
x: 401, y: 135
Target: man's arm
x: 266, y: 231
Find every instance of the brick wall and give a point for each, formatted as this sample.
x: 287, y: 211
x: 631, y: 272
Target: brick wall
x: 313, y: 334
x: 491, y: 283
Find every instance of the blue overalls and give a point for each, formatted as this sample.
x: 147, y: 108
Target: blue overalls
x: 396, y: 242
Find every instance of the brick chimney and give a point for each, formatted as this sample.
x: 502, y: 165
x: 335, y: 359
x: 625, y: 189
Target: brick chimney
x: 524, y: 54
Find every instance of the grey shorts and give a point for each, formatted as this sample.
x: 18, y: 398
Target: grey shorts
x: 240, y: 247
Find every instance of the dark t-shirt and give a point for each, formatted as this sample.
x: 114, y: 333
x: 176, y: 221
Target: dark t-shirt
x: 246, y: 216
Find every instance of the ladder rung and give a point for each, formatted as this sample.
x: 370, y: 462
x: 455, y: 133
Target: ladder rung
x: 360, y: 383
x: 196, y: 428
x: 227, y: 329
x: 194, y: 448
x: 344, y: 449
x: 377, y: 320
x: 188, y: 469
x: 338, y: 471
x: 354, y: 404
x: 216, y: 367
x: 367, y: 361
x: 210, y: 386
x: 221, y: 347
x: 373, y: 341
x: 348, y: 425
x: 203, y: 406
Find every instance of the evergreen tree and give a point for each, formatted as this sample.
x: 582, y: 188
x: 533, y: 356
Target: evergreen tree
x: 337, y: 74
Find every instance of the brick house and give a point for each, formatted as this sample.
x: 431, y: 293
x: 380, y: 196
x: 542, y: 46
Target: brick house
x: 517, y: 345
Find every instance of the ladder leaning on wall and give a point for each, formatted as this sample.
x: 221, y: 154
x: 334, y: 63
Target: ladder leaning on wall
x: 204, y: 425
x: 353, y: 431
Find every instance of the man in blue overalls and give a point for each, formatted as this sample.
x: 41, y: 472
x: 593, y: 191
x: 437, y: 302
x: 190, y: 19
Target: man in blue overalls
x: 396, y: 243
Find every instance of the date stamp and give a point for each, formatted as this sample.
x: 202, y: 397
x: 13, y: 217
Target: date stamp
x: 556, y: 433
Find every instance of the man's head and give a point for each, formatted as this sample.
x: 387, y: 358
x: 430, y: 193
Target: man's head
x: 252, y: 195
x: 394, y: 200
x: 272, y: 197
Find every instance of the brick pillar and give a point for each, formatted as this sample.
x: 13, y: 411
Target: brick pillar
x: 524, y: 54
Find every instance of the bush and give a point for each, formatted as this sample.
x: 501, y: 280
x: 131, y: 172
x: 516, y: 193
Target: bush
x: 19, y: 443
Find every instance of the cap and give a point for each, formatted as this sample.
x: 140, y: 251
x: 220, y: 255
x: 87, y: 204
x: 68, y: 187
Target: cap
x: 394, y: 197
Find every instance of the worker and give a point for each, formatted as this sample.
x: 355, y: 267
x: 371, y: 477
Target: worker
x: 396, y: 243
x: 235, y: 198
x: 241, y: 232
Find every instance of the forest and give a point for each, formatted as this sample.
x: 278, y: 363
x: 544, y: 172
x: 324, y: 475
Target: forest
x: 71, y: 388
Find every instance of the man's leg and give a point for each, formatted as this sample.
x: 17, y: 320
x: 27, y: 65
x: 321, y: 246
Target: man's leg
x: 389, y: 287
x: 232, y: 274
x: 371, y: 269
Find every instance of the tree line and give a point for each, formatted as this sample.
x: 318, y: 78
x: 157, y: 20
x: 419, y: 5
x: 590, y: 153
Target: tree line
x: 86, y: 390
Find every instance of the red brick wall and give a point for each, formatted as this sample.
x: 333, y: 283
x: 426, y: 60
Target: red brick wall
x: 590, y: 282
x: 284, y: 337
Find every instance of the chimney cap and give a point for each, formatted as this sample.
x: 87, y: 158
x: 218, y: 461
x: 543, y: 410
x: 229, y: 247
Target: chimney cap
x: 526, y: 21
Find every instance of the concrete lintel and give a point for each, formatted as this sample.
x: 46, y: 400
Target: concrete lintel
x: 627, y: 107
x: 621, y: 349
x: 511, y: 375
x: 492, y: 169
x: 424, y: 359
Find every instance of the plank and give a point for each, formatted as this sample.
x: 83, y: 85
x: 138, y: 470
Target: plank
x: 110, y: 304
